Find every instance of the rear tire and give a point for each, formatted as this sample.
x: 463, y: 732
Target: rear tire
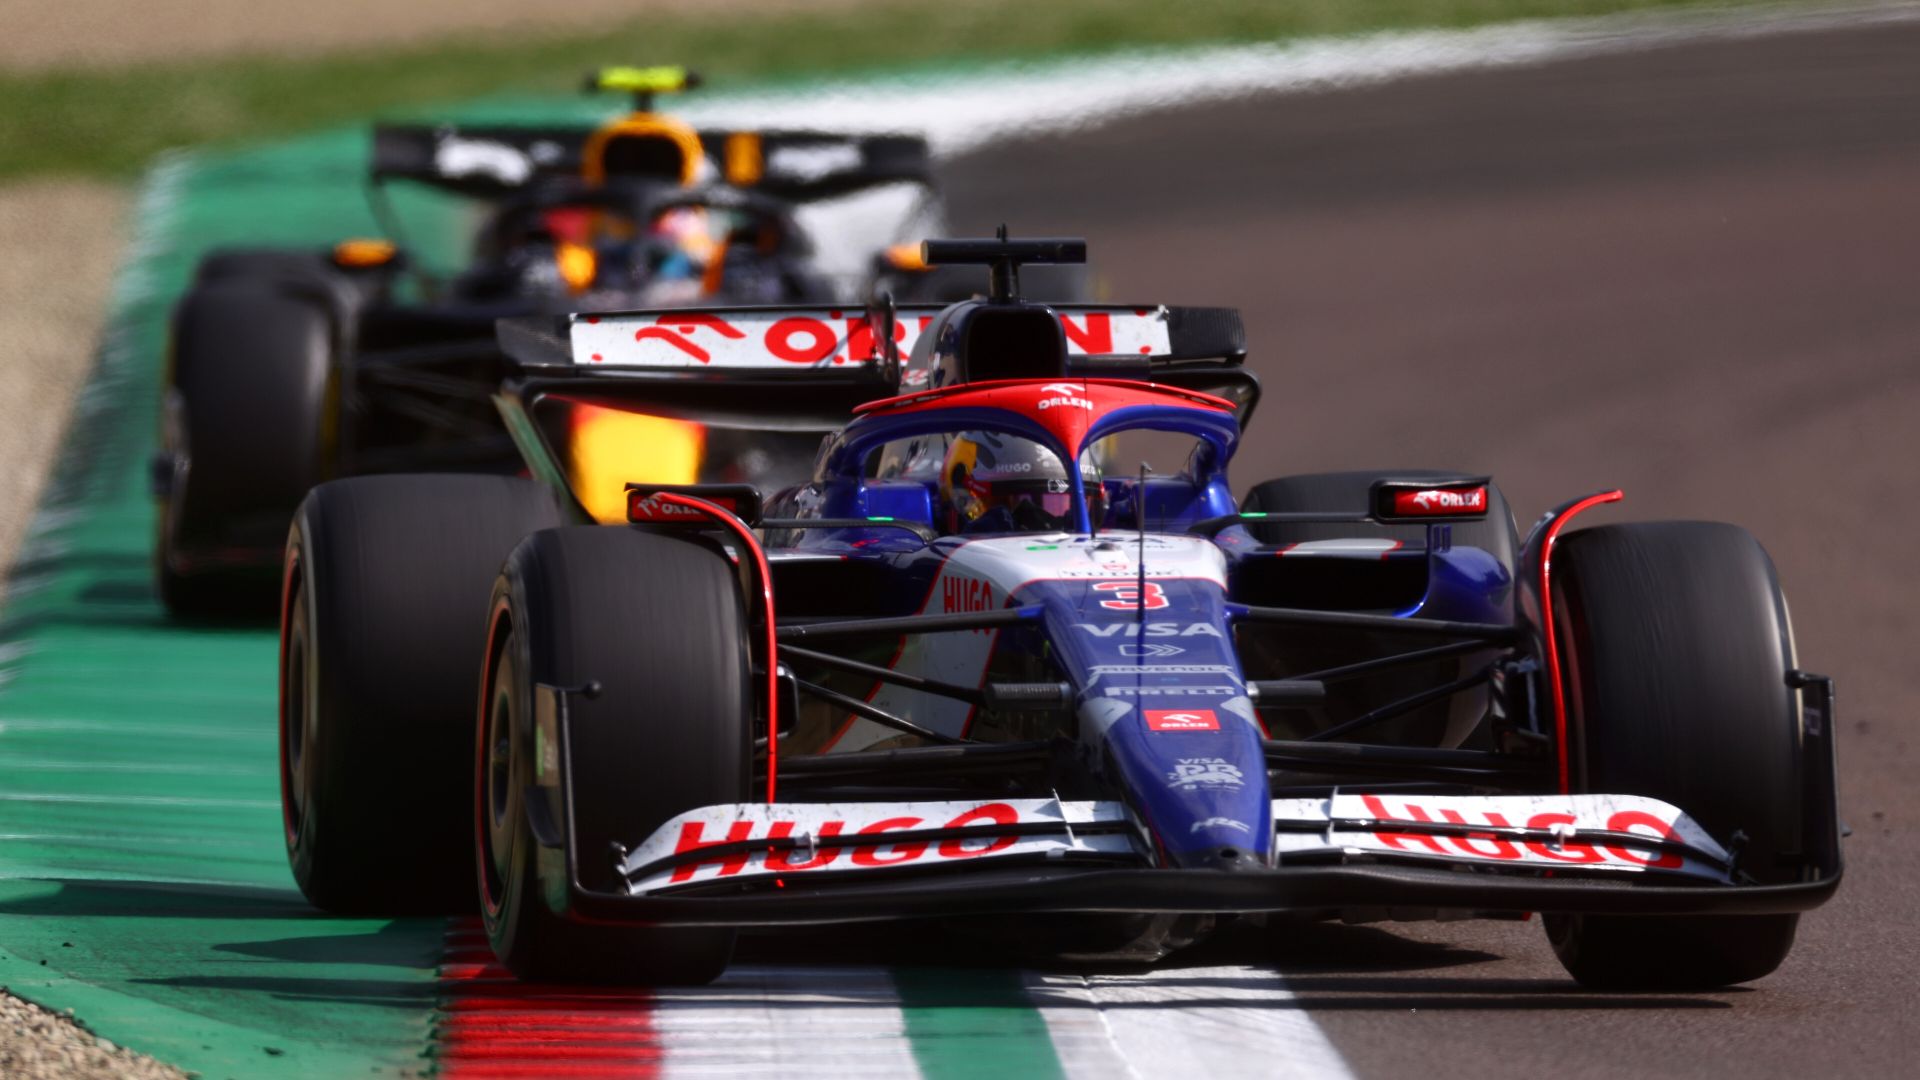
x: 1675, y: 649
x: 261, y: 266
x: 242, y: 440
x: 659, y: 624
x: 385, y: 584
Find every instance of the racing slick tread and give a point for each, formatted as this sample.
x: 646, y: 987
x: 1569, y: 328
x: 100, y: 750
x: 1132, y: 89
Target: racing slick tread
x: 391, y: 576
x: 250, y: 367
x: 1676, y: 671
x: 660, y: 625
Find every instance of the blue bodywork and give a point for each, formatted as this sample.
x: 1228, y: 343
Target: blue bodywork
x: 1202, y: 791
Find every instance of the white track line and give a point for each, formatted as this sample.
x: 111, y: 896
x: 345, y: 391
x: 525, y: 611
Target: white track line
x: 964, y: 109
x: 1202, y: 1023
x: 781, y: 1021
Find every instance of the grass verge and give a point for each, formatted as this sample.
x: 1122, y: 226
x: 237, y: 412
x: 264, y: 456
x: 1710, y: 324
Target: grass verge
x: 109, y: 123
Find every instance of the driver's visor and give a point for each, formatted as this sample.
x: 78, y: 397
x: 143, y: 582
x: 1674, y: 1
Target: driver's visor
x: 1052, y: 498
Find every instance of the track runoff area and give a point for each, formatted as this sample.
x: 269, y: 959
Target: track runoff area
x: 143, y: 882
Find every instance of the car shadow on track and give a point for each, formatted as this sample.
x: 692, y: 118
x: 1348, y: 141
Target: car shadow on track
x: 408, y: 943
x: 91, y: 898
x: 167, y: 939
x: 116, y: 589
x: 1291, y: 965
x: 378, y: 993
x: 1303, y: 946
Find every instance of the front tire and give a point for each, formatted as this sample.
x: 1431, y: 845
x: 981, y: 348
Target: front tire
x: 657, y: 625
x: 385, y: 585
x: 1675, y: 648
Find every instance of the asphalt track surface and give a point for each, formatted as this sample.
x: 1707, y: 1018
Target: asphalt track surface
x: 1691, y: 272
x: 1688, y: 272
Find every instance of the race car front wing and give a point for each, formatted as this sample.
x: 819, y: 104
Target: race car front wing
x: 761, y: 864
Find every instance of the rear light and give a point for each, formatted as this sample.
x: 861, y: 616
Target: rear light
x: 362, y: 254
x: 608, y: 448
x: 745, y: 158
x: 1394, y: 500
x: 907, y: 257
x: 577, y: 264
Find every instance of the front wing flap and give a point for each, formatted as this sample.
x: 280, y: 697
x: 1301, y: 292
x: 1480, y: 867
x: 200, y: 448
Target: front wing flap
x: 855, y: 862
x: 760, y: 842
x: 743, y: 844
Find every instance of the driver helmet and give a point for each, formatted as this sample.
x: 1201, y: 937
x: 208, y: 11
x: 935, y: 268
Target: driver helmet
x: 1004, y: 483
x: 682, y: 243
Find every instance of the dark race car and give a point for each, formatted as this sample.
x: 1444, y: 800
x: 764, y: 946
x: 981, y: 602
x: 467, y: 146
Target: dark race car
x: 971, y: 666
x: 289, y: 367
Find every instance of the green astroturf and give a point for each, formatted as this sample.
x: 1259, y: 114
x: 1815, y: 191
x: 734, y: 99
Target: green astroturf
x: 143, y: 882
x: 109, y: 122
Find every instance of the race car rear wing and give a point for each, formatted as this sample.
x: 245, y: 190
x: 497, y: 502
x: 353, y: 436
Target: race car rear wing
x: 499, y: 159
x: 785, y: 372
x: 810, y: 165
x: 481, y: 159
x: 843, y: 351
x: 1106, y: 340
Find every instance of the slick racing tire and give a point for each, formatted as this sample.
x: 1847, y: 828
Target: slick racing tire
x: 385, y: 601
x: 1675, y: 646
x: 242, y: 441
x: 260, y: 266
x: 647, y: 634
x: 1349, y: 492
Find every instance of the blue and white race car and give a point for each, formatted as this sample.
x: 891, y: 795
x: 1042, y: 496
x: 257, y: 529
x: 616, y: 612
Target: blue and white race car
x: 968, y: 664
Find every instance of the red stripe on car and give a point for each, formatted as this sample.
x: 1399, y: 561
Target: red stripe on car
x: 1546, y: 621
